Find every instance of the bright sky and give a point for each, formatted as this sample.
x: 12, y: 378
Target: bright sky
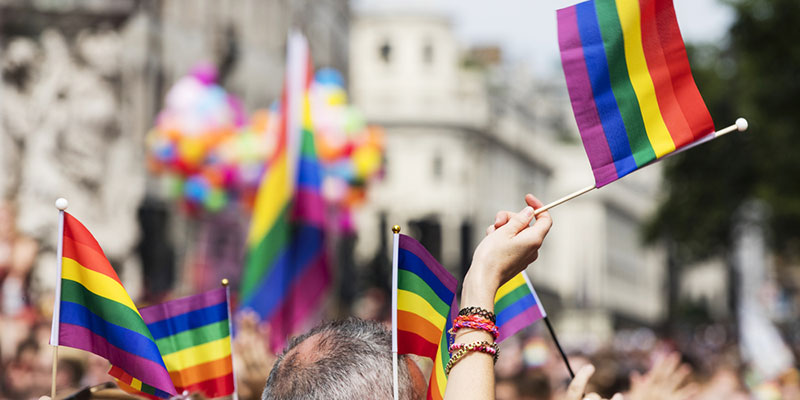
x: 526, y: 29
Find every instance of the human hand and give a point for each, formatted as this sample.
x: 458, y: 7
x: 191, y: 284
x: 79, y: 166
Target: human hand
x: 510, y: 244
x: 577, y: 387
x: 253, y: 358
x: 664, y: 381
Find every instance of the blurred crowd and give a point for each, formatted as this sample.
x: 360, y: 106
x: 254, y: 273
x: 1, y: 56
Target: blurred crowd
x: 698, y: 363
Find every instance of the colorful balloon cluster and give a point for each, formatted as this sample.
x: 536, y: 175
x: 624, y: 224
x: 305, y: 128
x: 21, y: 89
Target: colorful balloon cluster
x: 210, y: 155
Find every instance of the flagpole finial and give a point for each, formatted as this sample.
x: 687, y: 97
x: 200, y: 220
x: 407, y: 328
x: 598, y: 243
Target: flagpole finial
x: 396, y: 229
x: 62, y: 203
x: 224, y: 282
x: 741, y: 124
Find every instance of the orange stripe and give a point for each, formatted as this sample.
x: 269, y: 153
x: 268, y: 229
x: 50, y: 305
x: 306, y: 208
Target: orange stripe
x: 202, y: 372
x: 88, y: 257
x: 411, y: 322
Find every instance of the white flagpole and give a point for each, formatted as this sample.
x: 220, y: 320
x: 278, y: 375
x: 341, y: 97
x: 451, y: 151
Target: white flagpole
x: 741, y: 125
x: 61, y: 205
x: 225, y: 284
x: 395, y: 251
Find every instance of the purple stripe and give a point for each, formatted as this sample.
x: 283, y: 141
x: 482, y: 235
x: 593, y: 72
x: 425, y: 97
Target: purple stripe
x: 582, y: 98
x: 140, y: 368
x: 519, y: 322
x: 182, y: 306
x: 309, y: 206
x: 408, y: 243
x: 303, y: 298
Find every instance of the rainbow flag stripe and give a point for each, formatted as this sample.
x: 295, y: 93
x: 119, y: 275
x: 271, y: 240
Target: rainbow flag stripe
x: 425, y: 293
x: 630, y: 84
x: 286, y: 272
x: 96, y: 314
x: 516, y: 306
x: 193, y: 335
x: 438, y: 380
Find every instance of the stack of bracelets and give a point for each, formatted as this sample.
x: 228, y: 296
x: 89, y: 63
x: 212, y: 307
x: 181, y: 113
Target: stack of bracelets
x: 473, y: 318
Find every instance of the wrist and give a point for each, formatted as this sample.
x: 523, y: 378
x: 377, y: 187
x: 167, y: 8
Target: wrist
x: 478, y: 290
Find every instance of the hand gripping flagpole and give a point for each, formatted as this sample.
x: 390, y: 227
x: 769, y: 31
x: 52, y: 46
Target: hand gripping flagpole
x: 61, y: 205
x: 741, y: 125
x: 395, y: 251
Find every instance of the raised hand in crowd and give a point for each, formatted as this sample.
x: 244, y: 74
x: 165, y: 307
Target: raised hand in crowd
x: 664, y: 381
x: 577, y: 387
x: 253, y: 358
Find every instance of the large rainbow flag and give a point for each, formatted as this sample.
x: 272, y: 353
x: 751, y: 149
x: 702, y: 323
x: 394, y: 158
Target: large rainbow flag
x: 193, y: 335
x: 425, y: 308
x: 93, y: 312
x: 286, y: 271
x: 628, y: 76
x: 516, y: 306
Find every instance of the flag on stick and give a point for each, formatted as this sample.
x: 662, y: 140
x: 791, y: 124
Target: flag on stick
x: 423, y: 297
x: 628, y: 76
x: 286, y: 271
x: 516, y: 306
x: 93, y: 312
x: 193, y: 336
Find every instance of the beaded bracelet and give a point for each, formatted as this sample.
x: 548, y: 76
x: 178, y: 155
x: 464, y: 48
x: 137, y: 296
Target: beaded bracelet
x: 465, y: 349
x: 474, y: 322
x: 478, y: 311
x: 483, y: 346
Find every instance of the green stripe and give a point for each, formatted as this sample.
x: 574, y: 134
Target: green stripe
x: 109, y: 310
x: 308, y: 149
x: 627, y: 101
x: 194, y: 337
x: 407, y: 280
x: 511, y: 298
x: 261, y: 258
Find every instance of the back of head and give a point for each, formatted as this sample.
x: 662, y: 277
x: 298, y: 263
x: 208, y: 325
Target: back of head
x: 348, y: 359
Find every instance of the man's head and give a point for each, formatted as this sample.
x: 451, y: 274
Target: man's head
x: 349, y: 359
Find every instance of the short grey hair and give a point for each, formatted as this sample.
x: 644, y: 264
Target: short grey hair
x: 352, y: 359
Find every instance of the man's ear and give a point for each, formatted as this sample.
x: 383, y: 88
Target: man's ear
x: 418, y: 385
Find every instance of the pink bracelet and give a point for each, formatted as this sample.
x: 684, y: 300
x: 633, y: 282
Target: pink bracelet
x: 474, y: 322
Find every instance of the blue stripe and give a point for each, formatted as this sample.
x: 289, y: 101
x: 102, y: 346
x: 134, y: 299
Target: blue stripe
x: 123, y: 338
x: 516, y: 308
x: 190, y: 320
x: 309, y: 173
x: 406, y: 260
x: 306, y: 245
x: 597, y: 65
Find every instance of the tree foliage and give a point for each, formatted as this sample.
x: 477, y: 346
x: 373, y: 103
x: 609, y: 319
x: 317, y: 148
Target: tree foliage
x: 755, y: 73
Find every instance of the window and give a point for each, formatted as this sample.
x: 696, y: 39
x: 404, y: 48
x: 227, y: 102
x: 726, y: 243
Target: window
x: 385, y: 52
x: 427, y: 52
x: 624, y: 254
x: 438, y: 166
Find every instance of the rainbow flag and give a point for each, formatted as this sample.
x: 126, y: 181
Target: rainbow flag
x: 193, y: 335
x: 425, y: 308
x: 516, y: 306
x: 93, y: 312
x: 286, y: 271
x: 632, y: 91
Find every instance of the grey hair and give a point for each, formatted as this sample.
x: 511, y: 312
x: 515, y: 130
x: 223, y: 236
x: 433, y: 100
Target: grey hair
x: 352, y: 360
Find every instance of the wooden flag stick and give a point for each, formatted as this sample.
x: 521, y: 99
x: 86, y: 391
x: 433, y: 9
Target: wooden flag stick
x: 558, y: 345
x: 741, y: 125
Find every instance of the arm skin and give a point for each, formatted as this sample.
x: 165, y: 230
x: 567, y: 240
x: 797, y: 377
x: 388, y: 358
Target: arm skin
x: 509, y: 247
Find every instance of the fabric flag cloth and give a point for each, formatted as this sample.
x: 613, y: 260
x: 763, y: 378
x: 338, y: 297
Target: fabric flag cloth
x: 425, y: 308
x: 630, y: 84
x: 94, y: 313
x: 193, y: 335
x: 286, y: 270
x: 516, y: 306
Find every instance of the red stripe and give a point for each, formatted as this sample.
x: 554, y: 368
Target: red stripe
x: 88, y: 257
x: 668, y: 103
x: 75, y: 229
x: 217, y: 387
x: 411, y: 343
x: 121, y: 375
x: 691, y: 103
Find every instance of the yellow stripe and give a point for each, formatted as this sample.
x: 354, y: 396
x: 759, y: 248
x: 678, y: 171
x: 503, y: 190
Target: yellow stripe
x: 198, y: 354
x: 136, y: 384
x: 509, y: 286
x: 97, y: 283
x: 414, y: 303
x: 273, y: 195
x: 657, y: 132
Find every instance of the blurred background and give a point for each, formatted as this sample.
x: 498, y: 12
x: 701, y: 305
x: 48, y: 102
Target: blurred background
x: 153, y: 118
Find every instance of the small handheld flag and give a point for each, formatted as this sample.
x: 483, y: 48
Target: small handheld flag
x: 93, y: 312
x: 193, y: 335
x: 423, y: 295
x: 516, y: 306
